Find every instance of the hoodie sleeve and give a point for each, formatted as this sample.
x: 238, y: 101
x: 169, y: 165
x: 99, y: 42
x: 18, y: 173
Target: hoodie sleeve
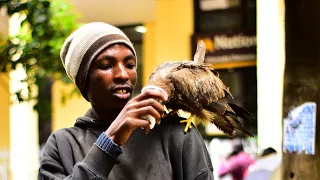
x: 97, y: 163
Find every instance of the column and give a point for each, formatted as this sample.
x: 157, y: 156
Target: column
x: 270, y: 71
x: 24, y: 146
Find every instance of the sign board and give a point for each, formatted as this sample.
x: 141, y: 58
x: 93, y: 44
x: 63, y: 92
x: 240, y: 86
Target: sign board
x: 299, y: 129
x: 227, y: 47
x: 209, y: 5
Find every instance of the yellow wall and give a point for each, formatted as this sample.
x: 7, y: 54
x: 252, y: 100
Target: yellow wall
x: 4, y: 111
x: 4, y: 92
x: 65, y: 114
x: 168, y: 37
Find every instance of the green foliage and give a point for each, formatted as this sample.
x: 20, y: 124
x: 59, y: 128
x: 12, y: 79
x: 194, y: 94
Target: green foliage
x: 44, y: 26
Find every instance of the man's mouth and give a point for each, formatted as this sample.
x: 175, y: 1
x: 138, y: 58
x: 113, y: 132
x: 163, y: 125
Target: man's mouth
x: 122, y: 92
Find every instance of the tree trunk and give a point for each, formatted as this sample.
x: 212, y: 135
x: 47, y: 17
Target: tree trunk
x: 302, y: 79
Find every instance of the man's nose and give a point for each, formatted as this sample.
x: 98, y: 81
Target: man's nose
x: 120, y: 72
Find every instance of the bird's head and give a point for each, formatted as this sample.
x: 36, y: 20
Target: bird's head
x: 161, y: 76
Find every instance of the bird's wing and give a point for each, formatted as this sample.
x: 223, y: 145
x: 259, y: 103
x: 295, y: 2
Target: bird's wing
x: 199, y: 82
x: 225, y: 88
x: 200, y: 52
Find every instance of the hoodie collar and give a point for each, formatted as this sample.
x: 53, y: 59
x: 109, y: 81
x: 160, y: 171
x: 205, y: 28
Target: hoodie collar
x: 89, y: 121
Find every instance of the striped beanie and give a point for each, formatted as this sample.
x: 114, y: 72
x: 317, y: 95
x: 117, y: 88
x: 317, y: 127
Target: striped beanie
x: 84, y: 45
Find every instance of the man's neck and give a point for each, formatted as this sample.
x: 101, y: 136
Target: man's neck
x: 107, y: 115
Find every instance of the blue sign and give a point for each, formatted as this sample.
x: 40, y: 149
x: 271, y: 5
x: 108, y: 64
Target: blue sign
x: 299, y: 129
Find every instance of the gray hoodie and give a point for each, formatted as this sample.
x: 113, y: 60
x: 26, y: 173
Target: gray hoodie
x: 163, y: 154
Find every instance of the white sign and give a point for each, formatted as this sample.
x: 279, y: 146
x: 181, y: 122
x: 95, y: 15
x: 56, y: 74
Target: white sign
x: 237, y: 41
x: 299, y: 129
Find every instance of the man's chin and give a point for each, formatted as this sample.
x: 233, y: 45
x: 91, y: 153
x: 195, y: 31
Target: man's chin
x: 120, y: 103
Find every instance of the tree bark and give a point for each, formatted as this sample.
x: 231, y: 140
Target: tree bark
x: 302, y: 79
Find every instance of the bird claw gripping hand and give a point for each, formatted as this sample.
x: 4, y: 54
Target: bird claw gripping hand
x: 188, y: 123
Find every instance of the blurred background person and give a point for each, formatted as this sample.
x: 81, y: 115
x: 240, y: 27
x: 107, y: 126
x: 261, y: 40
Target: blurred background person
x: 236, y: 163
x: 263, y: 168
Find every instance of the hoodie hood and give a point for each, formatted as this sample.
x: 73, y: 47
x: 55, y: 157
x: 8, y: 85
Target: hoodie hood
x: 89, y: 121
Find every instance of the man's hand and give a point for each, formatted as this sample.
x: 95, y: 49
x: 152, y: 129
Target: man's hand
x: 131, y: 115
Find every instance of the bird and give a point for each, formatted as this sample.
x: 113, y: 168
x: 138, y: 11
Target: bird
x: 195, y: 87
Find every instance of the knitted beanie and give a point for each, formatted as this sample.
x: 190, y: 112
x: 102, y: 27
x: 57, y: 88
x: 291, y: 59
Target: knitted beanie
x: 84, y: 45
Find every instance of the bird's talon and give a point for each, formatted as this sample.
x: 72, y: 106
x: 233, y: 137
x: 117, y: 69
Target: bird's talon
x: 188, y: 125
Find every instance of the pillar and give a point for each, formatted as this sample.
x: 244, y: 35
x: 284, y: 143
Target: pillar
x: 24, y: 146
x: 301, y: 85
x: 270, y: 72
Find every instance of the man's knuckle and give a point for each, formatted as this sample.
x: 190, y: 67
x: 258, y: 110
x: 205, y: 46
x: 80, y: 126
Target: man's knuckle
x: 149, y: 109
x: 151, y: 102
x: 127, y: 123
x: 130, y: 107
x: 131, y: 113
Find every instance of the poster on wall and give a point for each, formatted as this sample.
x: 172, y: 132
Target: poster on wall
x: 299, y: 129
x: 227, y: 47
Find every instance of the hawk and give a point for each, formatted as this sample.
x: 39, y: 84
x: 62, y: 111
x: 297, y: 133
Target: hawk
x: 195, y: 87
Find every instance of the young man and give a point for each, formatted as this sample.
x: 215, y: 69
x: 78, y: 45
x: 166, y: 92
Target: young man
x: 113, y: 141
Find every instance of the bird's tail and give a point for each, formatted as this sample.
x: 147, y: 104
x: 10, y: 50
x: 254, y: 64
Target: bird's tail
x: 235, y: 122
x: 229, y: 121
x: 241, y: 112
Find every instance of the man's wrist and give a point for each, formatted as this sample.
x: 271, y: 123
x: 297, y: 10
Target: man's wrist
x: 107, y: 145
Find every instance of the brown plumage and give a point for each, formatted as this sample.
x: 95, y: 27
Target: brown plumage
x: 195, y: 87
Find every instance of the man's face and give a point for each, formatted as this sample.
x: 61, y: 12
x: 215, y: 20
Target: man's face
x: 112, y: 77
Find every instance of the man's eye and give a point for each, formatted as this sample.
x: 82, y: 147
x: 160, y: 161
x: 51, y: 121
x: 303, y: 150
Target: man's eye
x: 106, y: 66
x: 130, y: 66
